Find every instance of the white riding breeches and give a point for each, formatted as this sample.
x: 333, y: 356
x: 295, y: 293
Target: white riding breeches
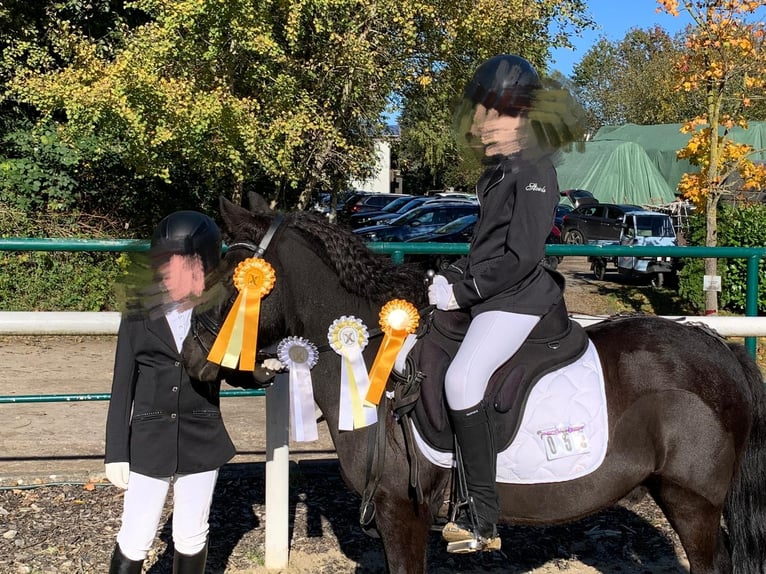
x: 144, y: 502
x: 493, y: 337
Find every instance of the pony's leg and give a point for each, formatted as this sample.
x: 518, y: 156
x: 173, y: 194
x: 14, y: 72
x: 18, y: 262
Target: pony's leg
x: 404, y: 530
x: 697, y: 522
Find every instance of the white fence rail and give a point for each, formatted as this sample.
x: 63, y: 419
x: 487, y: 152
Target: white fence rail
x: 106, y: 323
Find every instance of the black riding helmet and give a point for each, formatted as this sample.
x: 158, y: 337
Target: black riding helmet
x: 505, y: 83
x: 187, y: 233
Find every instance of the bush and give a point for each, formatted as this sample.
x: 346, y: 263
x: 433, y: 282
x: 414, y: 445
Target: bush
x: 58, y: 281
x: 743, y: 226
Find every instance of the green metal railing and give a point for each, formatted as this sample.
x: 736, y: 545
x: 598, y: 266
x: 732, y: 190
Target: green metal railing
x: 397, y: 251
x: 74, y: 398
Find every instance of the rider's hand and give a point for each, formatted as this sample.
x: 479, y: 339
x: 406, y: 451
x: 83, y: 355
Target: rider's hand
x: 273, y: 364
x: 440, y: 294
x: 118, y: 473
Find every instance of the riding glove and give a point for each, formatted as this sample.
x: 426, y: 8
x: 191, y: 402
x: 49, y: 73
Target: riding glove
x: 440, y: 294
x: 118, y: 473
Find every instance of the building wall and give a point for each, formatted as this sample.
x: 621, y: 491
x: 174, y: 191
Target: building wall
x: 381, y: 179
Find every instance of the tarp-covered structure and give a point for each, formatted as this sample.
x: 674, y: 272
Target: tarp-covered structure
x: 661, y: 143
x: 614, y: 172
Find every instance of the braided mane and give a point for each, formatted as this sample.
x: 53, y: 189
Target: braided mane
x: 361, y: 272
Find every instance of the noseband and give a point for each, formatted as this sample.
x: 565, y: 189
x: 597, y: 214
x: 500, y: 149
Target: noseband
x: 204, y: 320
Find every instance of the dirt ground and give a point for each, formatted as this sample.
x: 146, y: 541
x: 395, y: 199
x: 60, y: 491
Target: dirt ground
x: 58, y: 515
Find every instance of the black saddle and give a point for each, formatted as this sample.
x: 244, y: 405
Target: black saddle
x: 555, y: 341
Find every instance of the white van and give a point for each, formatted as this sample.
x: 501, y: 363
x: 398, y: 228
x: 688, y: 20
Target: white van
x: 642, y: 228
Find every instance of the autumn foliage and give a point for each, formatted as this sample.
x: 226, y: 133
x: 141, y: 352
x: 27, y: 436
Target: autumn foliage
x: 724, y: 61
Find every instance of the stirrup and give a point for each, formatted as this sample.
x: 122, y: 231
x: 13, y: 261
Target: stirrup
x: 463, y: 540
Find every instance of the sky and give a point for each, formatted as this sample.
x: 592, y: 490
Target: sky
x: 615, y: 18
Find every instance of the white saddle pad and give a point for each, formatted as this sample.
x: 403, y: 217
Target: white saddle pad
x: 564, y: 429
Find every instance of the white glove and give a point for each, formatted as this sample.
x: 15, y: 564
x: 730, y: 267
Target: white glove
x: 440, y: 294
x: 272, y: 364
x: 118, y: 473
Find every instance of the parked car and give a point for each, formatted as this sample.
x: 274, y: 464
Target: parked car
x: 578, y: 197
x: 418, y: 221
x: 320, y: 203
x: 367, y: 201
x: 562, y: 209
x: 460, y: 231
x: 386, y: 218
x: 595, y: 223
x: 394, y: 209
x: 642, y: 228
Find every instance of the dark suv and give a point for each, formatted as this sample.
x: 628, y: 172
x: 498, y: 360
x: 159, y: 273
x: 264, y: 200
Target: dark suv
x: 418, y: 221
x: 595, y: 223
x: 365, y: 201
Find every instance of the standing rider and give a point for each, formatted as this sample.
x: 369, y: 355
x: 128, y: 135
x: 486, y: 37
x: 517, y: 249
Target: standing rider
x: 501, y: 282
x: 162, y: 426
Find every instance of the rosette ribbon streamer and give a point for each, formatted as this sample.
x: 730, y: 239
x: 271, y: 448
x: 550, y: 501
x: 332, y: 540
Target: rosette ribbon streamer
x: 300, y: 355
x: 348, y: 337
x: 398, y: 318
x: 237, y: 340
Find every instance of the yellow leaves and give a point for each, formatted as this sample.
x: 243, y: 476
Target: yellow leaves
x: 425, y: 81
x: 669, y: 6
x: 691, y: 187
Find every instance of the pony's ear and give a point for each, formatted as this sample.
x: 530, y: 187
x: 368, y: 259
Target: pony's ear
x: 257, y: 202
x: 233, y: 215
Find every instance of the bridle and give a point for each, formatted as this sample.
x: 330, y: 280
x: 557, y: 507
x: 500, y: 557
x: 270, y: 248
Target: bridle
x: 204, y: 320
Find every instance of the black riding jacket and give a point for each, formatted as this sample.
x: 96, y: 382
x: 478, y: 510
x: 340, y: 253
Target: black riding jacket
x: 159, y: 420
x: 502, y: 271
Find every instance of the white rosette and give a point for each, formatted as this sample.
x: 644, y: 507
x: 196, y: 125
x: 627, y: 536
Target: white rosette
x: 348, y: 337
x: 300, y: 355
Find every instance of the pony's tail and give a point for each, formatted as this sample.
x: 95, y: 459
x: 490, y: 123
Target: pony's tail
x: 745, y: 510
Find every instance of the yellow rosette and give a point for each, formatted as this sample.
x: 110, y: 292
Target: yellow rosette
x: 398, y: 318
x: 348, y: 337
x: 237, y: 340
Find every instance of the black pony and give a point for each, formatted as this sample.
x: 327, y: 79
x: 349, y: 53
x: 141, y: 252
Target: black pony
x: 686, y: 410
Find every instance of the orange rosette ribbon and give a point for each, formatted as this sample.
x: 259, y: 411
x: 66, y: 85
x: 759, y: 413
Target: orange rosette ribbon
x: 237, y: 340
x: 398, y: 318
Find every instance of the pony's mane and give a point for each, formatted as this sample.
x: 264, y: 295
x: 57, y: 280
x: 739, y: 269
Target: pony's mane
x: 362, y: 272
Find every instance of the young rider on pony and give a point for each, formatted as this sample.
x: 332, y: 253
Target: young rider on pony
x: 501, y: 281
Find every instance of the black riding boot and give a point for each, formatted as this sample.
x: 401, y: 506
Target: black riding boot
x: 122, y: 565
x: 190, y: 563
x: 474, y: 527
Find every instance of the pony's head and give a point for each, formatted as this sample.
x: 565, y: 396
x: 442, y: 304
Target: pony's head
x: 245, y: 229
x: 320, y: 269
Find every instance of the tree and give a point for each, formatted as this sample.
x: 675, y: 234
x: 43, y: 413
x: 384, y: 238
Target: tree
x: 632, y: 81
x: 725, y: 63
x: 451, y: 48
x: 291, y: 93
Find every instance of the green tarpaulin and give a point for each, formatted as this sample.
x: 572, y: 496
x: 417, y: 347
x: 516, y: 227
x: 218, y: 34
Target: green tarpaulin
x: 615, y: 172
x: 662, y: 141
